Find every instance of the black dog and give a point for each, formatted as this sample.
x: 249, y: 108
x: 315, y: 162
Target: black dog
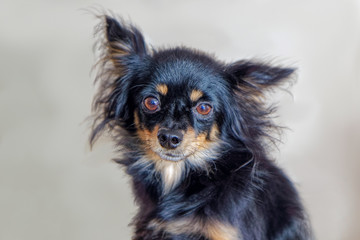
x: 193, y: 133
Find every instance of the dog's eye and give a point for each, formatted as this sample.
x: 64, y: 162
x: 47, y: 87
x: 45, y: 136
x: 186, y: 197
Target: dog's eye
x: 203, y: 108
x: 151, y: 104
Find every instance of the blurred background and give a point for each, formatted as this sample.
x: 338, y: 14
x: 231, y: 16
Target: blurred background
x: 53, y: 187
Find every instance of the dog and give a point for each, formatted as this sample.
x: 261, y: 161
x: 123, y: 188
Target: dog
x: 193, y: 133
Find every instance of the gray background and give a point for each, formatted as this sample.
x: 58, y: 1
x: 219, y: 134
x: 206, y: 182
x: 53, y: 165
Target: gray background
x: 53, y: 187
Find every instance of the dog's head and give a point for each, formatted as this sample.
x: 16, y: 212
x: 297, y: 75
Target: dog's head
x: 178, y: 107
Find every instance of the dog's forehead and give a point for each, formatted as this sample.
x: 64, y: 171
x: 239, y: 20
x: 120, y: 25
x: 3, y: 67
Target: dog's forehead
x: 184, y: 77
x: 180, y: 71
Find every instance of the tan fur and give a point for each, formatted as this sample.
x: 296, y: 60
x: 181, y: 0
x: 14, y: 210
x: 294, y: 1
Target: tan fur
x: 197, y: 149
x: 116, y: 51
x: 216, y: 230
x: 210, y: 228
x: 171, y: 172
x: 196, y: 95
x: 203, y: 147
x: 162, y: 89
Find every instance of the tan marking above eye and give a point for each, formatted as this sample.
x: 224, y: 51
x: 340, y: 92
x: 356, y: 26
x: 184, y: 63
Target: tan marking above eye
x: 196, y: 95
x: 162, y: 89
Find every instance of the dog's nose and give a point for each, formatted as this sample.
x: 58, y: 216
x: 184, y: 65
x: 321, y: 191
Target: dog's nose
x: 170, y: 138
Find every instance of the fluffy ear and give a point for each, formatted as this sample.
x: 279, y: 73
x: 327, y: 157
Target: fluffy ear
x: 249, y: 115
x: 122, y: 56
x: 123, y: 41
x: 258, y: 75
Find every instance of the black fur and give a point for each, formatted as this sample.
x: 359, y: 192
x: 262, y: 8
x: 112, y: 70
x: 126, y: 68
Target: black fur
x: 232, y: 182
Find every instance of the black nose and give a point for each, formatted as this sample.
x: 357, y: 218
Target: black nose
x: 170, y: 138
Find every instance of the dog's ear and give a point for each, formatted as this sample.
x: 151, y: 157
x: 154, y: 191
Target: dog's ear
x: 248, y: 114
x: 259, y: 76
x: 122, y: 57
x: 123, y: 41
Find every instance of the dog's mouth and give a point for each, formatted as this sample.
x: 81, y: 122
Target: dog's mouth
x: 174, y: 157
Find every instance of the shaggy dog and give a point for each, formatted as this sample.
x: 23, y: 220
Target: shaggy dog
x: 193, y: 134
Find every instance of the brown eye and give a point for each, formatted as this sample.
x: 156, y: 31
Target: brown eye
x: 151, y: 104
x: 203, y: 108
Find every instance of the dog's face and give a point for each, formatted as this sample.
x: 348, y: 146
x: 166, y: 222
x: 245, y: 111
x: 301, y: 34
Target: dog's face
x: 178, y: 106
